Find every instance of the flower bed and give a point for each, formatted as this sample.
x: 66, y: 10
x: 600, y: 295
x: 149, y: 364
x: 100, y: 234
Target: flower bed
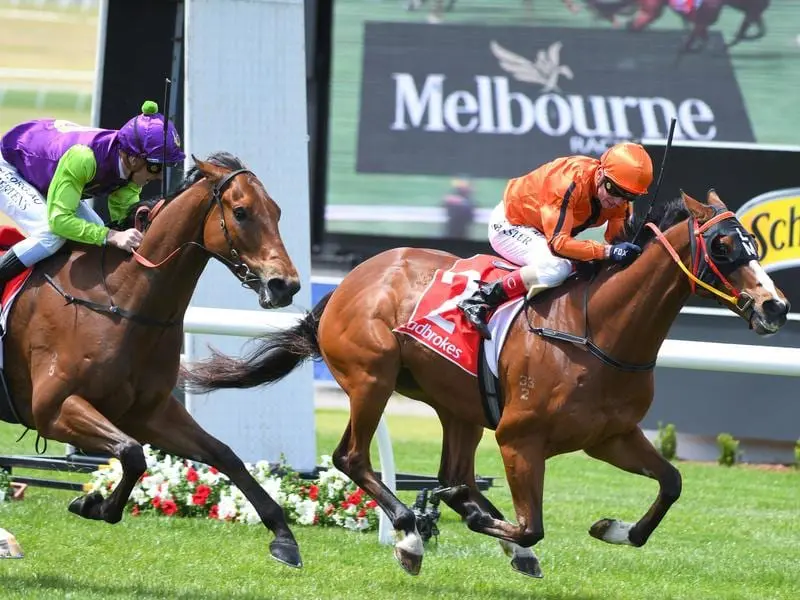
x: 178, y: 488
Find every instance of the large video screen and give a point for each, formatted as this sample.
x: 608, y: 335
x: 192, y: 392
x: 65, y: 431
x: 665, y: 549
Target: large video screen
x: 435, y: 104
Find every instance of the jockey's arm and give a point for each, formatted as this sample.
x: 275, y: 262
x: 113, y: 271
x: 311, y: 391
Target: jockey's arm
x: 76, y: 168
x: 121, y: 200
x: 557, y: 222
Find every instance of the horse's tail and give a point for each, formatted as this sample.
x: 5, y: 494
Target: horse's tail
x: 277, y: 355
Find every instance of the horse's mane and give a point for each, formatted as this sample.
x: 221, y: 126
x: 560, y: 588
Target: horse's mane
x: 664, y: 215
x: 222, y: 159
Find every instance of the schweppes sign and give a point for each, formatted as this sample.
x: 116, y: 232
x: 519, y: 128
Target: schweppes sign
x: 774, y: 219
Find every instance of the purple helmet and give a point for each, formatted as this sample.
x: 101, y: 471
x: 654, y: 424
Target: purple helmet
x: 143, y: 136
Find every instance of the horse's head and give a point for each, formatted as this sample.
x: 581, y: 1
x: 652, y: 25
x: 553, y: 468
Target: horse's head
x: 725, y: 257
x: 242, y: 226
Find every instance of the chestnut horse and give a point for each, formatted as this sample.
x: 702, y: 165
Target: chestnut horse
x: 558, y: 396
x: 700, y: 19
x: 92, y: 350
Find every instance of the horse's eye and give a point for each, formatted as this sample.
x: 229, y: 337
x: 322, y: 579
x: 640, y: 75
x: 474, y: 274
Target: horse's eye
x: 718, y: 248
x: 239, y: 213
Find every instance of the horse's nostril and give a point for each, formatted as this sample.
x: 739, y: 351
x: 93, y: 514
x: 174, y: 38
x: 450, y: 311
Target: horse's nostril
x: 774, y: 308
x: 281, y: 288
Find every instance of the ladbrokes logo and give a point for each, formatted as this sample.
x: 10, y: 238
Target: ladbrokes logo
x: 497, y: 101
x: 443, y: 343
x: 774, y: 220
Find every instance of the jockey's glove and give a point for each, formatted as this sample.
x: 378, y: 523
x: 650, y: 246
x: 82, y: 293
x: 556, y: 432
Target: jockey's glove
x: 623, y: 253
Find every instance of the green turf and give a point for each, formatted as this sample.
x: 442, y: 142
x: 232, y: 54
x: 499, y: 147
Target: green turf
x: 732, y: 535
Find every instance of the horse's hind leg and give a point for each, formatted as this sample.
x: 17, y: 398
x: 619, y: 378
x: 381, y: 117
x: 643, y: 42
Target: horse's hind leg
x: 81, y: 424
x: 369, y: 390
x: 460, y: 439
x: 171, y: 428
x: 633, y: 452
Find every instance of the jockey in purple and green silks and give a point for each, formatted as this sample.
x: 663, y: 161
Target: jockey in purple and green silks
x: 47, y: 166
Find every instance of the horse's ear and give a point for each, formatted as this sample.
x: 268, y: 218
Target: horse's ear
x: 714, y: 200
x: 699, y: 211
x: 209, y: 170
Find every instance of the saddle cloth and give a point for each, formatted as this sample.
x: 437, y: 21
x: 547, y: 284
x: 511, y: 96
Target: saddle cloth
x: 8, y: 237
x: 440, y: 325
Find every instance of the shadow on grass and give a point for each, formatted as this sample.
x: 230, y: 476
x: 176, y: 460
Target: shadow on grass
x: 29, y: 585
x: 520, y: 588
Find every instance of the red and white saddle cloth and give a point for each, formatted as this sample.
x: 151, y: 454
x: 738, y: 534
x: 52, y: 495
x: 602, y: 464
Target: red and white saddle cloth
x: 8, y: 237
x: 439, y: 324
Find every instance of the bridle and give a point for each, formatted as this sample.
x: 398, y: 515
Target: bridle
x: 235, y: 263
x: 708, y: 267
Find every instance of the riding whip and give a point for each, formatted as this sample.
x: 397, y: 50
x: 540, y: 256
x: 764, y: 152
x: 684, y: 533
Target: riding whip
x: 660, y: 177
x: 167, y: 88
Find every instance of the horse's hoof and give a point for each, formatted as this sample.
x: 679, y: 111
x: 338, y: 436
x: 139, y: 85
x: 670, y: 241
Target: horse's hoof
x: 599, y: 529
x: 411, y: 563
x: 611, y: 531
x: 286, y: 553
x: 87, y: 506
x: 527, y: 565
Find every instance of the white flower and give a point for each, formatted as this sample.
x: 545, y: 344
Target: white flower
x: 249, y: 514
x: 306, y: 509
x: 226, y: 509
x: 272, y: 485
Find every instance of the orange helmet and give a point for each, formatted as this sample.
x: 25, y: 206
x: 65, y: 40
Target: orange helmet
x: 629, y: 166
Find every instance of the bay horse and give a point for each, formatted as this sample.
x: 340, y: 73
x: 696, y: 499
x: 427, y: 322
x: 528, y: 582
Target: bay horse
x: 558, y: 396
x: 699, y: 19
x: 93, y: 343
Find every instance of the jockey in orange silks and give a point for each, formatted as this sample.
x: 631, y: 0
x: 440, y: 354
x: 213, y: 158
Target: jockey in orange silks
x: 541, y: 213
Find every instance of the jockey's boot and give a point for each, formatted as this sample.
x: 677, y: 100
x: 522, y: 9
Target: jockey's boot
x: 491, y: 295
x: 10, y: 267
x: 477, y: 306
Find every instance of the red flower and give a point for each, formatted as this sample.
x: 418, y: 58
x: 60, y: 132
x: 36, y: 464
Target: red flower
x: 201, y: 494
x: 213, y: 512
x: 329, y: 510
x: 355, y: 497
x: 156, y: 502
x: 313, y: 492
x: 371, y: 504
x: 362, y: 513
x: 169, y: 508
x: 213, y: 470
x: 135, y: 510
x: 191, y: 475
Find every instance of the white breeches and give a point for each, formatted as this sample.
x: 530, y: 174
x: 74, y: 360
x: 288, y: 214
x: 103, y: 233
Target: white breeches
x: 24, y: 205
x: 527, y: 246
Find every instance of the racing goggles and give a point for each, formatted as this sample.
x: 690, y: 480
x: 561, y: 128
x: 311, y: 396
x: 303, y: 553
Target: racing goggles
x: 156, y: 167
x: 613, y: 189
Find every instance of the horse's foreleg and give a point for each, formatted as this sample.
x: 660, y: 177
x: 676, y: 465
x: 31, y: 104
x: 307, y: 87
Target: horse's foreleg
x: 369, y: 392
x: 633, y: 452
x: 524, y: 460
x: 457, y: 472
x: 79, y: 423
x: 169, y: 427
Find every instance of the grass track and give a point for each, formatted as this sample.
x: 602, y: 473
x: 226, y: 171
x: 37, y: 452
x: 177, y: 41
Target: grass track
x: 732, y: 535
